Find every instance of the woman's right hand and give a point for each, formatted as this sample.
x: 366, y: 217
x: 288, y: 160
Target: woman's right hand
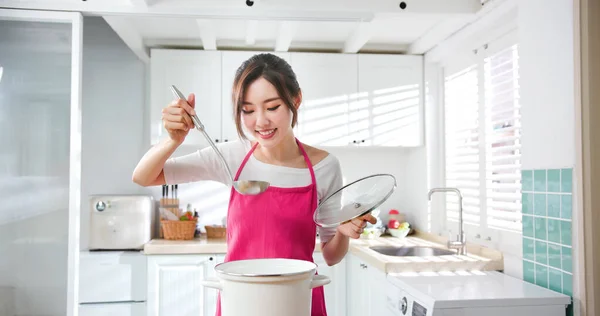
x: 177, y: 118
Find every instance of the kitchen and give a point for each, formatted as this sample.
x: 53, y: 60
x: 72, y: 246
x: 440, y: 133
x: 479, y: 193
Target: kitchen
x: 119, y: 115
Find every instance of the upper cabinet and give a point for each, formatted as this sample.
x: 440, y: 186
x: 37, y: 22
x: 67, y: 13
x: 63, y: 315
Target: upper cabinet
x: 347, y: 99
x: 391, y: 97
x: 329, y: 83
x: 191, y: 71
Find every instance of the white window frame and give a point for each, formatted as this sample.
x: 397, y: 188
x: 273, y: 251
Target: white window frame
x: 502, y: 240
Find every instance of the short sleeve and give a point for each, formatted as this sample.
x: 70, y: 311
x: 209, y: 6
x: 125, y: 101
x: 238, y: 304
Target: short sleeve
x: 332, y: 181
x: 204, y: 164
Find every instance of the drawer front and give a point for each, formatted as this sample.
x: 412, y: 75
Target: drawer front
x: 113, y: 309
x: 112, y: 277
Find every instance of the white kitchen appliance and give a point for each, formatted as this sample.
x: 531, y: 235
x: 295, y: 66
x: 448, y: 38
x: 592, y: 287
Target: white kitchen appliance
x: 112, y: 283
x: 121, y: 222
x: 273, y: 286
x: 489, y: 293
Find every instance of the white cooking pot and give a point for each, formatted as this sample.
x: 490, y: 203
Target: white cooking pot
x: 259, y: 287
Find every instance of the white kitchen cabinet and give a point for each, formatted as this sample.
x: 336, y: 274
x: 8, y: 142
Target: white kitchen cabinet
x: 335, y: 292
x: 191, y: 71
x: 347, y: 99
x: 231, y: 61
x: 365, y: 288
x: 391, y: 97
x: 329, y: 84
x: 390, y: 107
x: 174, y: 286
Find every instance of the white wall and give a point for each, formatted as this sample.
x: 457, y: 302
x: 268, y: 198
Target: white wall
x: 113, y: 126
x: 546, y: 68
x: 405, y: 164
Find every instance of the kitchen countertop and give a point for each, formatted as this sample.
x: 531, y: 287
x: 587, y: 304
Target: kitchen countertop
x: 198, y: 245
x: 477, y: 258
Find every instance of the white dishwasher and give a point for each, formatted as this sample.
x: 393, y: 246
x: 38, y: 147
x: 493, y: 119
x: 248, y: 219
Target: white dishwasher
x: 488, y: 293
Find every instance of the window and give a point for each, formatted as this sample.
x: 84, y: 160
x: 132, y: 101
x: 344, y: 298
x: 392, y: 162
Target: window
x: 482, y: 137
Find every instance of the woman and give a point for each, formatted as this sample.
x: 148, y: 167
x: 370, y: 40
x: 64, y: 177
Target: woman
x: 279, y: 222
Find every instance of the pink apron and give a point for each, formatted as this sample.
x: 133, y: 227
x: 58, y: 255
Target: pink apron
x: 275, y: 224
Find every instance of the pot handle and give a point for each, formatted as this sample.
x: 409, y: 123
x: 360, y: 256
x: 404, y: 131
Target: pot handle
x: 319, y: 280
x: 212, y: 283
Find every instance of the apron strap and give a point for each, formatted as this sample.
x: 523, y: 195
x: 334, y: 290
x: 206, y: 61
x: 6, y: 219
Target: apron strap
x: 239, y: 171
x: 308, y: 163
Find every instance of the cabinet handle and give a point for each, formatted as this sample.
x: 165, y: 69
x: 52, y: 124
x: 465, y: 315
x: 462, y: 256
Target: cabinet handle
x: 225, y: 140
x: 216, y: 140
x: 354, y: 142
x: 211, y: 258
x: 363, y: 141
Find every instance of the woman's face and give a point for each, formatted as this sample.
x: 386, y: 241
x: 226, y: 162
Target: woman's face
x: 264, y: 114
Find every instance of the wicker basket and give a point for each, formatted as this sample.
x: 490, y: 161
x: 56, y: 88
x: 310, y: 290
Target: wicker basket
x: 179, y: 230
x: 215, y: 231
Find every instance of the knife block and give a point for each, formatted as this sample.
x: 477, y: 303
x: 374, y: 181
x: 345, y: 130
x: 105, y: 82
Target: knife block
x: 172, y: 205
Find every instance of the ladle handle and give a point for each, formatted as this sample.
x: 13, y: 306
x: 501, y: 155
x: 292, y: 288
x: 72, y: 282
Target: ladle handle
x: 200, y: 127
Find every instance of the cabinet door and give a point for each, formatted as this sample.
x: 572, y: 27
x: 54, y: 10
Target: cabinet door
x: 357, y: 291
x: 375, y: 288
x: 174, y: 286
x: 329, y: 85
x: 389, y: 112
x: 231, y: 61
x: 192, y: 71
x: 335, y: 292
x: 210, y: 305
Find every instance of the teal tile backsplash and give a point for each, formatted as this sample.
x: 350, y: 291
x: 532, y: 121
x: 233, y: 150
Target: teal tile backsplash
x: 547, y: 200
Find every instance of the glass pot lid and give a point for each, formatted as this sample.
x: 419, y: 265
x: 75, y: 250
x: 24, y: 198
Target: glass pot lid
x: 354, y: 200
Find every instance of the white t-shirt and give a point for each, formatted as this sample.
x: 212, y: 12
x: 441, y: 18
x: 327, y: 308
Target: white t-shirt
x: 205, y: 164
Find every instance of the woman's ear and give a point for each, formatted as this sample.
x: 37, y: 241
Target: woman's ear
x: 298, y: 100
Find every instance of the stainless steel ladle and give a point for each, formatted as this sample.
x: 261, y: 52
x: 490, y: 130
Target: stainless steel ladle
x: 246, y: 187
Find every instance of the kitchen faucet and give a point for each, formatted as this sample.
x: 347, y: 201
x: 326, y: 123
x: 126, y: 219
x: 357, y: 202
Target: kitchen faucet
x: 460, y: 244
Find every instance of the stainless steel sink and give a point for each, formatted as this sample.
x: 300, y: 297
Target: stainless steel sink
x: 417, y: 251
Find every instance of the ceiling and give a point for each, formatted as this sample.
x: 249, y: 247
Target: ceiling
x: 345, y: 26
x: 393, y: 34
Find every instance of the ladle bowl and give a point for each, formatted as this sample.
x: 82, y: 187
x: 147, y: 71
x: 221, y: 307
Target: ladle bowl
x: 245, y: 187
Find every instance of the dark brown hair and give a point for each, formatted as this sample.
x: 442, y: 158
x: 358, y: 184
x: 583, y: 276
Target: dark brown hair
x: 276, y: 71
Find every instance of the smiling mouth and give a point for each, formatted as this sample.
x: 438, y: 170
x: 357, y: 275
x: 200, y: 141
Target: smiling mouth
x: 266, y: 132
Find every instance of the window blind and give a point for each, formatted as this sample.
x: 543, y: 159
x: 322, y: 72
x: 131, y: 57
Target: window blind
x: 503, y: 140
x: 462, y: 142
x: 483, y: 140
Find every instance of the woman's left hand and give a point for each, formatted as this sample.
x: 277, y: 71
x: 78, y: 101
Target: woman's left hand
x: 355, y: 227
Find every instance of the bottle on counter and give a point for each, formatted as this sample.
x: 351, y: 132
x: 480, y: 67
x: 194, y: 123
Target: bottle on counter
x: 395, y: 218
